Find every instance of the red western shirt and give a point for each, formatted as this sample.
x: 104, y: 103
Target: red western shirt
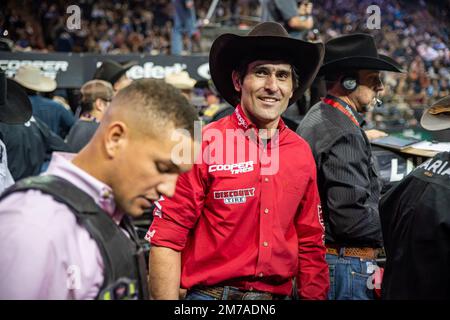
x: 248, y: 215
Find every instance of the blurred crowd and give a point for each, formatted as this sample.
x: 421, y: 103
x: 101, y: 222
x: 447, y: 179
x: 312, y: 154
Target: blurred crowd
x: 116, y: 27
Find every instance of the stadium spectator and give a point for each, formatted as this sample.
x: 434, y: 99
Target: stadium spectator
x: 95, y: 99
x: 185, y: 24
x: 296, y: 18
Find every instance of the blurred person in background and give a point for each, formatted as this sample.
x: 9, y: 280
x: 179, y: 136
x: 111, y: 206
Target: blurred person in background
x: 96, y: 96
x: 115, y: 73
x: 295, y: 17
x: 185, y: 24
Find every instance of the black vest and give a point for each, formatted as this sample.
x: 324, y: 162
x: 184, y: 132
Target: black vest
x: 125, y: 274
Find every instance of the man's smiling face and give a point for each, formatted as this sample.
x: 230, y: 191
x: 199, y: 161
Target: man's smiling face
x: 265, y: 90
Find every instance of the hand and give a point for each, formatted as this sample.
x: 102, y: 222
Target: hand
x: 375, y: 134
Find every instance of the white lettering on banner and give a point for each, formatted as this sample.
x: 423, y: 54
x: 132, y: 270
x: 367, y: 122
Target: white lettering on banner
x: 235, y: 168
x: 203, y: 71
x: 49, y: 68
x: 397, y: 176
x: 150, y: 70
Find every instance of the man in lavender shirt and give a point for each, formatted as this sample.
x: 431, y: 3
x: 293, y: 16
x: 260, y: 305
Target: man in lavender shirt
x: 128, y: 164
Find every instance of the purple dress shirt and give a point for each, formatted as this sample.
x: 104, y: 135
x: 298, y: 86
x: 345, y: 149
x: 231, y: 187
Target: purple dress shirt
x: 45, y: 254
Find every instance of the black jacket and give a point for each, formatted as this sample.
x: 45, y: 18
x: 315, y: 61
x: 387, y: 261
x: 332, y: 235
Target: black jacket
x: 415, y: 217
x: 28, y: 146
x: 346, y: 176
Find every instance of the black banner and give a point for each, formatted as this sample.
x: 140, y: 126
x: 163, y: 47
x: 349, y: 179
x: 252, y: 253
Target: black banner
x: 72, y: 70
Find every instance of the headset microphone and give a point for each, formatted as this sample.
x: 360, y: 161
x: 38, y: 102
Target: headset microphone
x: 378, y: 102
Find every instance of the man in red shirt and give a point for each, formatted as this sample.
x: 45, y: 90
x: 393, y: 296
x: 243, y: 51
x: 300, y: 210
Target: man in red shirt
x: 246, y: 220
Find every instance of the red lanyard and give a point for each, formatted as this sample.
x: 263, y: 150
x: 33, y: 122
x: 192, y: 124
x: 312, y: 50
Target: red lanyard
x: 345, y: 110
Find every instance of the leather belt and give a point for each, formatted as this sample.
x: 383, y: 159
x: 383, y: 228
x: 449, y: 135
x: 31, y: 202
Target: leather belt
x: 236, y: 293
x: 363, y: 253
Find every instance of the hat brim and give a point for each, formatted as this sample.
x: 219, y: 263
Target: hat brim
x: 122, y: 71
x: 185, y: 85
x: 435, y: 122
x: 45, y: 84
x: 382, y: 63
x: 17, y: 108
x: 228, y: 50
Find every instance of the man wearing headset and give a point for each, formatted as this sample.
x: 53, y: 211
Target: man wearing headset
x: 347, y: 178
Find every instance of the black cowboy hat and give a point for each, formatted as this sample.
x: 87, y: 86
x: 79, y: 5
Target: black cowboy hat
x: 111, y: 71
x: 355, y: 52
x: 15, y: 107
x: 267, y: 41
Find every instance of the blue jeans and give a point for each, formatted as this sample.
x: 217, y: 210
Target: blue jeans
x: 194, y: 295
x: 349, y: 278
x: 228, y: 294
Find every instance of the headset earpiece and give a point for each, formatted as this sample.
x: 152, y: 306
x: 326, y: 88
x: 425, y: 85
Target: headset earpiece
x: 349, y: 83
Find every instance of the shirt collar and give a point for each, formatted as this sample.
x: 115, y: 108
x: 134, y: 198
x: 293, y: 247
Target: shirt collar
x: 356, y: 114
x: 242, y: 122
x: 61, y: 165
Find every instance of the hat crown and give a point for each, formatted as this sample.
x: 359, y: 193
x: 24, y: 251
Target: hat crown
x: 268, y: 29
x: 180, y: 80
x: 30, y: 74
x: 354, y: 45
x: 111, y: 70
x: 15, y: 107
